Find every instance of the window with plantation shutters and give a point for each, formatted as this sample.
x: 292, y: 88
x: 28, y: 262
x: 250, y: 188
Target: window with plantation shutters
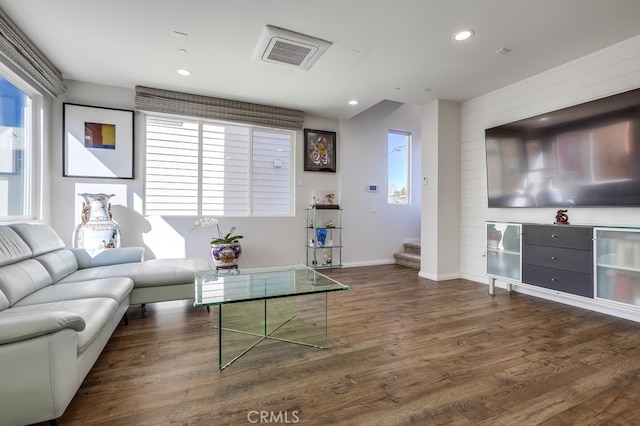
x: 196, y: 167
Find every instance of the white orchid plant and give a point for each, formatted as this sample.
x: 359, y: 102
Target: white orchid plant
x: 228, y: 238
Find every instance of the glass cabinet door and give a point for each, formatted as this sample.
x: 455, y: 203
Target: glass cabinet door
x: 503, y: 250
x: 617, y: 266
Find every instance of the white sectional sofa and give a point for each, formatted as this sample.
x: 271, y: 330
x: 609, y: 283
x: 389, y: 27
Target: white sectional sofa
x: 58, y: 309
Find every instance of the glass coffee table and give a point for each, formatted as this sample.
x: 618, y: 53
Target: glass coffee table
x: 286, y: 303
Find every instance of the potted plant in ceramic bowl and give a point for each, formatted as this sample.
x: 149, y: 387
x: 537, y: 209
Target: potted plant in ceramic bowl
x: 225, y: 248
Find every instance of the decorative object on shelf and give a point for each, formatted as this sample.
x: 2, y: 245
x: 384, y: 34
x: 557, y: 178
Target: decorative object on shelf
x: 321, y: 236
x: 319, y: 150
x: 561, y: 217
x: 97, y: 142
x: 97, y: 229
x: 327, y: 257
x: 225, y: 248
x: 324, y: 238
x: 325, y: 200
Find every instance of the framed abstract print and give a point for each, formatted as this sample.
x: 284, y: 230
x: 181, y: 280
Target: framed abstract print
x: 97, y: 142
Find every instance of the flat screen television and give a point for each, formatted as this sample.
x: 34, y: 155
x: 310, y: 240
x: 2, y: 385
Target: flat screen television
x: 586, y: 155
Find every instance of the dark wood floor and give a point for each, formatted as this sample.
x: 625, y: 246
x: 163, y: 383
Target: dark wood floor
x: 404, y: 351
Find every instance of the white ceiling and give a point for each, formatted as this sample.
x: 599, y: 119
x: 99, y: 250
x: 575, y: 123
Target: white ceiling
x: 397, y: 50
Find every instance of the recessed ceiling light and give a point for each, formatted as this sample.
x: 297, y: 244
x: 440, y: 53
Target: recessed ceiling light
x: 463, y: 35
x: 353, y: 102
x: 182, y: 71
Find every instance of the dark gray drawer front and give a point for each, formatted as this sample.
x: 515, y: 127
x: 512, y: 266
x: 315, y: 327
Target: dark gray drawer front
x: 559, y: 279
x: 559, y: 258
x: 566, y: 236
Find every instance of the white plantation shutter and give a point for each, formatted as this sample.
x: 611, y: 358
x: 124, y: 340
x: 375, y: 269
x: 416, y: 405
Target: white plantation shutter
x: 213, y: 169
x: 225, y: 170
x: 271, y: 178
x: 171, y: 170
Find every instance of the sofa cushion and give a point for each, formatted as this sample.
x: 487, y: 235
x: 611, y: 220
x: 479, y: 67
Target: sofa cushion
x: 117, y: 288
x: 40, y: 237
x: 59, y: 263
x: 155, y: 272
x: 103, y: 257
x: 96, y: 313
x: 151, y: 273
x: 22, y: 278
x: 4, y: 301
x: 12, y: 247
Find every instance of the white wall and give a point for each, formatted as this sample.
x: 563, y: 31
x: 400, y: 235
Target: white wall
x: 441, y: 190
x: 603, y: 73
x: 368, y: 238
x: 373, y: 229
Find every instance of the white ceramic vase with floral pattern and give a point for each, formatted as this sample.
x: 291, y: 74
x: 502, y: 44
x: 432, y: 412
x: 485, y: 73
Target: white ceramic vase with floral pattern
x: 97, y: 230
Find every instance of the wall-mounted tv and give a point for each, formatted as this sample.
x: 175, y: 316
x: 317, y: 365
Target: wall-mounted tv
x: 586, y: 155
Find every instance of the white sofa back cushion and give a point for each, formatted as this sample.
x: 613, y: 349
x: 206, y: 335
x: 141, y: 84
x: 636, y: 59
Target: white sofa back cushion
x: 40, y: 237
x: 59, y: 263
x: 21, y: 279
x: 12, y: 248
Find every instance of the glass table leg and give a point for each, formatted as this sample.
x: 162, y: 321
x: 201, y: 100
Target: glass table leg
x: 240, y: 328
x: 297, y: 319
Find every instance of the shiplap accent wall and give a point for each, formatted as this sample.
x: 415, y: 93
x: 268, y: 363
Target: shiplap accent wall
x: 606, y: 72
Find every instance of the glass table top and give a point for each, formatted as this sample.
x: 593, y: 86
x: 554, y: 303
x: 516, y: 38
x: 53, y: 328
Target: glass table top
x: 241, y: 285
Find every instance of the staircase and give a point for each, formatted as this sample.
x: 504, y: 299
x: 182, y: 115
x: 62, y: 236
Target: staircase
x: 410, y: 257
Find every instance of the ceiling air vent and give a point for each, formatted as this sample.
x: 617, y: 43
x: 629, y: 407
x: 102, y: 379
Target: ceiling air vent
x: 289, y: 48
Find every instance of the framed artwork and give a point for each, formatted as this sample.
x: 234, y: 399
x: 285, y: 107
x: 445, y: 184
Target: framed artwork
x: 97, y: 142
x: 319, y: 151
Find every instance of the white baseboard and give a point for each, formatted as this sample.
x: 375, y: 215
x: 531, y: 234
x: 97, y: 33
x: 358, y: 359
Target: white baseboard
x: 369, y: 263
x: 439, y: 277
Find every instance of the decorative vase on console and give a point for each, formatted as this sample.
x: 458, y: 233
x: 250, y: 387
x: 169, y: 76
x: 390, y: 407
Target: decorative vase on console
x: 97, y: 229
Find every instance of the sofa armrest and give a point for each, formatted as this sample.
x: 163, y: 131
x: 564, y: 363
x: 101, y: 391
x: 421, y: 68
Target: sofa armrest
x: 24, y: 326
x: 104, y: 257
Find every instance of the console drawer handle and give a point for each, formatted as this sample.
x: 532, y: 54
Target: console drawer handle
x: 553, y: 279
x: 554, y: 236
x: 554, y: 258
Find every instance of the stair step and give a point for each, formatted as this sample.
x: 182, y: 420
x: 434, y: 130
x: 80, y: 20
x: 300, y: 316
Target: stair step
x: 410, y: 260
x: 412, y: 248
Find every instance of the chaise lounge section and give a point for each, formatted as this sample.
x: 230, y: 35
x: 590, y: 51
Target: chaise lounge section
x: 60, y: 306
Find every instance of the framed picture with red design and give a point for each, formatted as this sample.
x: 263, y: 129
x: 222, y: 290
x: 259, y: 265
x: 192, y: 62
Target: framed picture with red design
x: 97, y: 142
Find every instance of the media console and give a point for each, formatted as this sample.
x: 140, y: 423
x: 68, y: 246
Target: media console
x: 593, y: 267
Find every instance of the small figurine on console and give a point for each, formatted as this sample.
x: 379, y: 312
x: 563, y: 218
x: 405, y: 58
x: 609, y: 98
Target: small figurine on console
x: 562, y: 218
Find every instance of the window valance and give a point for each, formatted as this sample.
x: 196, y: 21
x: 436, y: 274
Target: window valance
x: 18, y: 49
x: 169, y: 102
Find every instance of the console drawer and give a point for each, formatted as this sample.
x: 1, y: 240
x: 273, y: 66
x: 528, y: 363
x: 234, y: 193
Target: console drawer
x: 559, y: 258
x: 566, y: 236
x: 571, y: 282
